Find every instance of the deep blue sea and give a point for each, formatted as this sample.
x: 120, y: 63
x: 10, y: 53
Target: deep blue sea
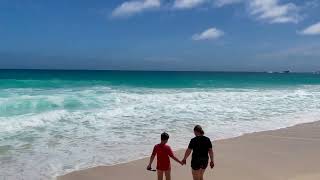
x: 53, y: 122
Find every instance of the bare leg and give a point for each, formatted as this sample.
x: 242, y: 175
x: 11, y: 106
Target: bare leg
x: 160, y: 175
x: 196, y: 174
x: 168, y: 174
x: 201, y: 173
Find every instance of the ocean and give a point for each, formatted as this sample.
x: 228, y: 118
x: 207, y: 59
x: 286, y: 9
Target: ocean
x: 54, y: 122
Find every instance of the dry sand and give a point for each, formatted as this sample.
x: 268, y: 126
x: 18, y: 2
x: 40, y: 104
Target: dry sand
x: 286, y: 154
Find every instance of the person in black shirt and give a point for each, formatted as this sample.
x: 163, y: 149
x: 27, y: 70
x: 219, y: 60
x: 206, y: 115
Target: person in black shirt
x: 201, y: 149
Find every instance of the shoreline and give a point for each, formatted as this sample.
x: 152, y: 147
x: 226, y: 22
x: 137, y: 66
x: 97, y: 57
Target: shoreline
x: 251, y: 146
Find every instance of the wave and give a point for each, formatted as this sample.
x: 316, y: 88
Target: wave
x: 47, y: 132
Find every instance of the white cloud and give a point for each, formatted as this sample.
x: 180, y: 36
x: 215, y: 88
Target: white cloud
x: 208, y: 34
x: 274, y: 12
x: 187, y: 4
x: 271, y: 11
x: 130, y: 8
x: 312, y: 30
x: 220, y: 3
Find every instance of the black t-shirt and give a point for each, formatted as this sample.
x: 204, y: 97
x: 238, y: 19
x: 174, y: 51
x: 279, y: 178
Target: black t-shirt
x: 200, y: 146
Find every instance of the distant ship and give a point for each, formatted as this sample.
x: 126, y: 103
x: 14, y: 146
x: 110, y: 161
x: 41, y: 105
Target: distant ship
x: 286, y: 72
x: 316, y: 72
x: 275, y: 72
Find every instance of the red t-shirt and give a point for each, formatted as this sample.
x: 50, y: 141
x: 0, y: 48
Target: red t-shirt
x: 163, y: 153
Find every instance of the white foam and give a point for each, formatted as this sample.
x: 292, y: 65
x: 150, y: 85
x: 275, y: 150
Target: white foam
x: 118, y: 125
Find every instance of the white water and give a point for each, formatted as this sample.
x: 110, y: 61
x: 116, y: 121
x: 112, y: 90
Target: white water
x: 48, y: 132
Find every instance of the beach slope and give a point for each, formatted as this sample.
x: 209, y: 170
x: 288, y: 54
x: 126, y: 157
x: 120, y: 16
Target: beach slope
x: 287, y: 154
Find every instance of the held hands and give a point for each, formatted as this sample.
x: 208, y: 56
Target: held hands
x: 184, y: 162
x: 180, y: 162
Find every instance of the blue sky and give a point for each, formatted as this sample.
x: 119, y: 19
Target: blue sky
x: 214, y: 35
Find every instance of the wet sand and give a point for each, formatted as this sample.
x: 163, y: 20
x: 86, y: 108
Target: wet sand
x: 286, y: 154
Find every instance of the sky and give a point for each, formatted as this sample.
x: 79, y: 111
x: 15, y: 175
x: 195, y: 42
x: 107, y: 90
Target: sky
x: 199, y: 35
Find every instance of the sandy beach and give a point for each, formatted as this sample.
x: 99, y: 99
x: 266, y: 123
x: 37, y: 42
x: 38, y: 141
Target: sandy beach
x: 285, y: 154
x: 88, y: 87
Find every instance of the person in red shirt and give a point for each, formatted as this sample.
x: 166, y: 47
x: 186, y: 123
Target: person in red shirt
x: 163, y: 153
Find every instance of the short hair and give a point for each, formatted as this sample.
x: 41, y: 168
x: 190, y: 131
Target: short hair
x: 164, y: 136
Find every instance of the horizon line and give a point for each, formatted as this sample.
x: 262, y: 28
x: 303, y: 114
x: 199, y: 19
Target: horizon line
x: 142, y: 70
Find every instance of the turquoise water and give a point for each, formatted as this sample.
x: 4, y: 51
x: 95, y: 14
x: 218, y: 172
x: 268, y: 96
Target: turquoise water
x: 149, y: 79
x: 52, y: 122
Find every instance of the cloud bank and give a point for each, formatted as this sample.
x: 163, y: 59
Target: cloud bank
x: 271, y: 11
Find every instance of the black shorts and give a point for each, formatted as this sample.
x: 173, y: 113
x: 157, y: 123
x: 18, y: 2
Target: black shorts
x: 199, y: 163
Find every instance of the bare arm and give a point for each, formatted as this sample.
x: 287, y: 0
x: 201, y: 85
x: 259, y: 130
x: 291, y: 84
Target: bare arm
x: 151, y: 160
x: 186, y: 155
x: 176, y: 159
x: 211, y: 157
